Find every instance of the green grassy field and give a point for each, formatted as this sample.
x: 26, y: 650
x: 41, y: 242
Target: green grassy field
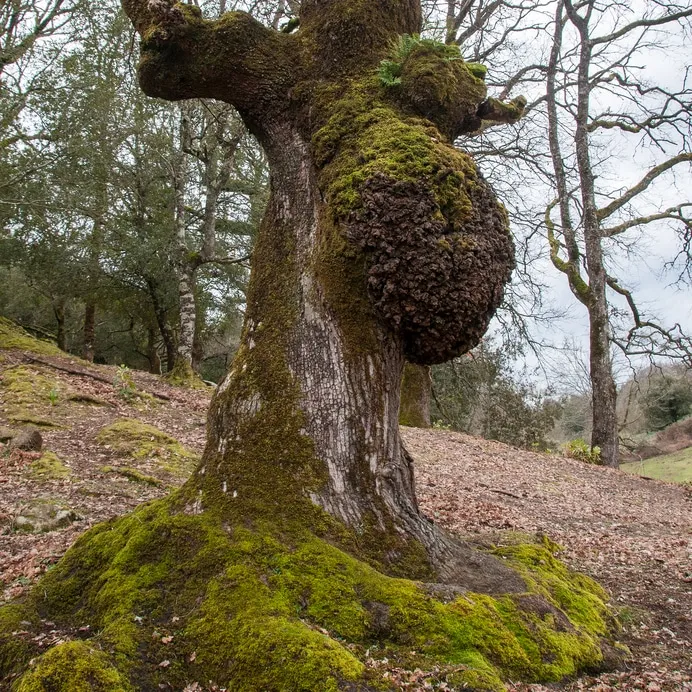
x: 676, y: 467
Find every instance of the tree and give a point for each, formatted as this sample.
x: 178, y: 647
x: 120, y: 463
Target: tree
x: 380, y: 241
x: 667, y: 399
x: 210, y: 134
x: 479, y: 394
x: 593, y: 87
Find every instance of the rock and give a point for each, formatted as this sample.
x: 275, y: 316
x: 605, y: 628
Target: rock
x: 42, y: 515
x: 6, y: 434
x: 27, y: 439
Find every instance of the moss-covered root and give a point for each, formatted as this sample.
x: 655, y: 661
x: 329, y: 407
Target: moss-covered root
x: 182, y: 375
x: 73, y: 666
x: 174, y: 598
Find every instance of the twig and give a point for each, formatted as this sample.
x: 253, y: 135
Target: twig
x: 502, y: 492
x: 94, y: 376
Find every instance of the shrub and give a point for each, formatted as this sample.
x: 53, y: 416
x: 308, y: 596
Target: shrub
x: 581, y: 451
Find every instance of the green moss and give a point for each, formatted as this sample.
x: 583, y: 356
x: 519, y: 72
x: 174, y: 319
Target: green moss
x: 48, y: 467
x: 33, y: 397
x: 133, y: 475
x: 16, y: 646
x: 27, y: 393
x: 138, y: 440
x: 390, y: 70
x: 73, y: 667
x: 260, y: 611
x: 183, y: 375
x: 366, y: 136
x: 581, y: 598
x: 14, y: 337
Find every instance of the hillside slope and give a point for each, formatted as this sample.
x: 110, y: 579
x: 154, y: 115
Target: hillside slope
x: 113, y: 439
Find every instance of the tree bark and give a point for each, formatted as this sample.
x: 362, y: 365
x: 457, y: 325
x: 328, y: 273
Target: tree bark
x: 59, y: 312
x: 162, y: 322
x: 152, y: 352
x: 603, y: 389
x: 185, y: 267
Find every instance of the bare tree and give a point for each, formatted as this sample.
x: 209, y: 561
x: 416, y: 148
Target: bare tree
x: 594, y: 86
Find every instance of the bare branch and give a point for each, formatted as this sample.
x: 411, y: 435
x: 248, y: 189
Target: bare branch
x: 642, y: 185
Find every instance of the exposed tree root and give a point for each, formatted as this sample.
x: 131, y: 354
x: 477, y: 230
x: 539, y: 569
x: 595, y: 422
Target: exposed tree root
x: 165, y: 597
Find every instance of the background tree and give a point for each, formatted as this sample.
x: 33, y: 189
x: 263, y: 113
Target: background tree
x: 607, y: 94
x: 480, y: 394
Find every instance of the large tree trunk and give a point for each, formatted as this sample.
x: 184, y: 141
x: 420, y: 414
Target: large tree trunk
x: 348, y: 277
x: 307, y: 410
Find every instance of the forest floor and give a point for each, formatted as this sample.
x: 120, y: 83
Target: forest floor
x: 632, y: 535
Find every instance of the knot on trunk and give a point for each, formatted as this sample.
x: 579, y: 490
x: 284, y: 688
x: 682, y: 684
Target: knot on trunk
x: 436, y: 285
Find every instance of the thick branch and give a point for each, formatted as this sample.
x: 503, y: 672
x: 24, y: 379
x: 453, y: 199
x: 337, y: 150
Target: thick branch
x: 578, y: 286
x: 234, y: 58
x: 642, y: 24
x: 673, y: 213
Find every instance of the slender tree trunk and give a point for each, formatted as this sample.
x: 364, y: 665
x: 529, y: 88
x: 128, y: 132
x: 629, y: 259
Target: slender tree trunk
x: 164, y: 327
x: 89, y: 331
x: 153, y: 352
x: 603, y: 390
x: 198, y: 345
x: 186, y: 264
x: 604, y: 394
x: 59, y: 312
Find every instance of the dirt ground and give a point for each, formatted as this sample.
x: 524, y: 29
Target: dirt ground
x: 632, y: 535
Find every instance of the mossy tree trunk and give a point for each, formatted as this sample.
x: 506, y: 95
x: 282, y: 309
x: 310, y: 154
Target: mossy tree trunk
x: 380, y: 242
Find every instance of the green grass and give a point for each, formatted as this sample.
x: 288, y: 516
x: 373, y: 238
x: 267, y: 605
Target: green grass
x: 676, y: 467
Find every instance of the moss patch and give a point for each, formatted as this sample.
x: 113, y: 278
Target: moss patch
x: 16, y: 646
x: 249, y: 610
x: 48, y: 467
x: 76, y: 667
x: 133, y: 475
x: 14, y: 337
x: 434, y: 239
x: 28, y: 393
x: 432, y: 80
x: 183, y: 375
x: 34, y: 396
x: 138, y: 440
